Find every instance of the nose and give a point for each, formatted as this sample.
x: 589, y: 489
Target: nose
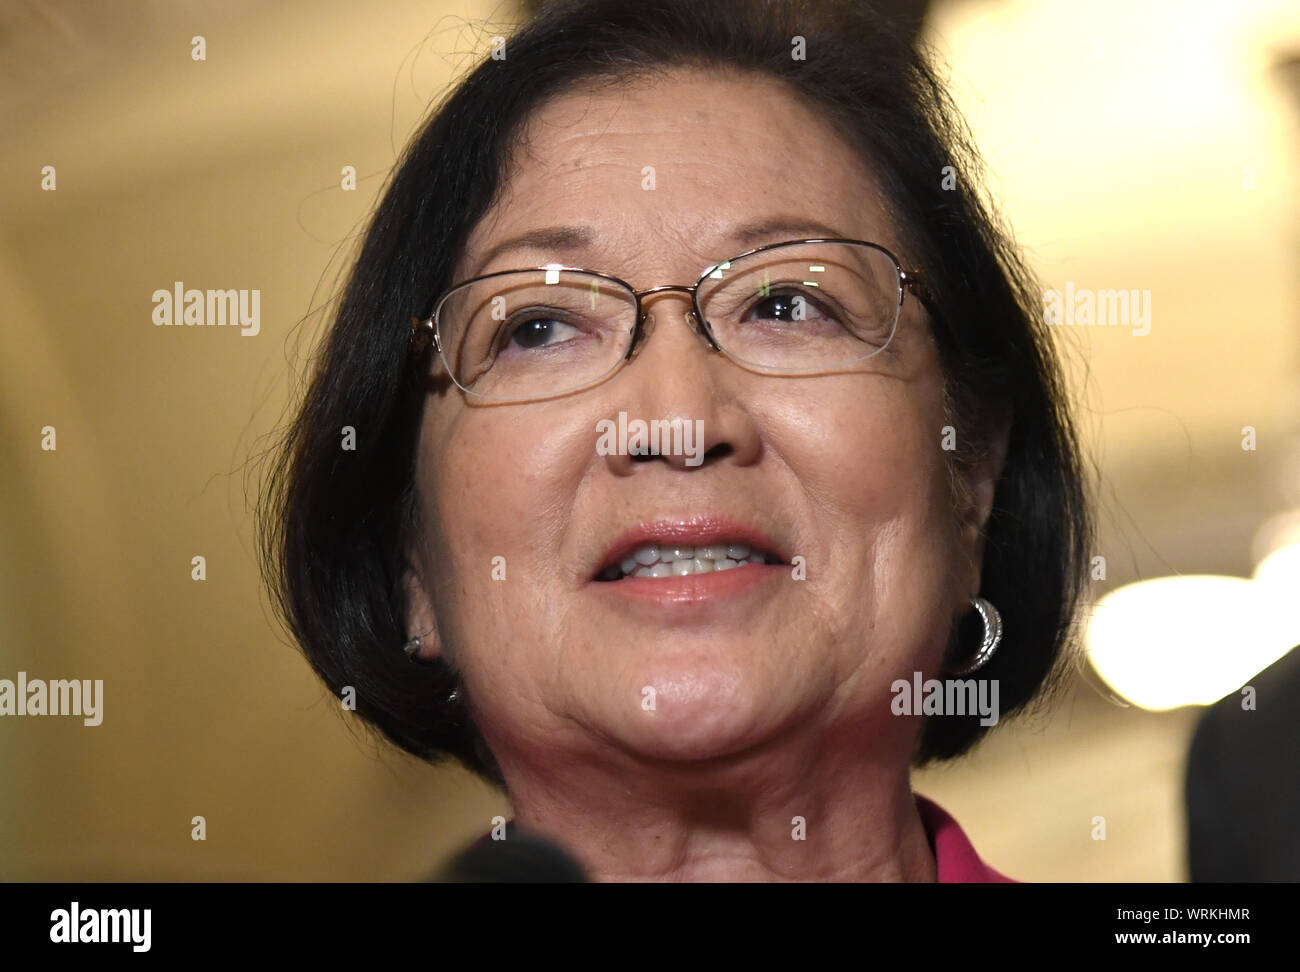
x: 682, y: 376
x: 684, y: 305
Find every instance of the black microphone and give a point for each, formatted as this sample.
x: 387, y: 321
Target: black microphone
x: 520, y: 858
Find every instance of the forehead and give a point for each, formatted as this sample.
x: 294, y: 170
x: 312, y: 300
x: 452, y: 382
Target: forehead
x: 661, y: 172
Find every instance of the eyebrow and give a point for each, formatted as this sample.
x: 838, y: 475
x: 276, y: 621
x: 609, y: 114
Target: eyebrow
x: 549, y: 238
x: 573, y: 238
x: 793, y: 227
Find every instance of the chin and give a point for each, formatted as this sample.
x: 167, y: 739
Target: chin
x: 699, y: 716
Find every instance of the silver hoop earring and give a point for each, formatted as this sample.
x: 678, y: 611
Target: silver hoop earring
x: 992, y: 635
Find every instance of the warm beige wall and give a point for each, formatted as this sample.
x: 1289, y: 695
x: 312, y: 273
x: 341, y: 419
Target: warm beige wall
x: 219, y: 174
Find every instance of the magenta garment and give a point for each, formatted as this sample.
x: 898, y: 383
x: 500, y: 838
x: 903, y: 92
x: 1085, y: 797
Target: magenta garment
x: 956, y: 858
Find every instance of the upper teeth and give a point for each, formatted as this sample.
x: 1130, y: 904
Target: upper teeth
x: 652, y: 560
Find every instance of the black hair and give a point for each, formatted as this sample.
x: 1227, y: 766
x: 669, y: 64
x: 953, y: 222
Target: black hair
x: 334, y: 524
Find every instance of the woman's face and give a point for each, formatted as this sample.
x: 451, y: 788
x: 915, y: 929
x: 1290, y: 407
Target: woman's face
x: 845, y: 471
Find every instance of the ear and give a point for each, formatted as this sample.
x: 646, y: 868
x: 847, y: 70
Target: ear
x: 420, y: 617
x: 976, y: 490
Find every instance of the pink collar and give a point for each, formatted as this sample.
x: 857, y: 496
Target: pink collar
x: 956, y: 858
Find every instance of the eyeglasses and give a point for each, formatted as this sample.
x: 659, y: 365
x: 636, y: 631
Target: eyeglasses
x: 797, y: 308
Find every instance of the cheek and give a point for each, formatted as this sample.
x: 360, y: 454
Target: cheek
x: 501, y: 485
x: 873, y: 454
x: 870, y: 465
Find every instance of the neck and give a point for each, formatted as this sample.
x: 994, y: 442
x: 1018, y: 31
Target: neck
x: 807, y: 811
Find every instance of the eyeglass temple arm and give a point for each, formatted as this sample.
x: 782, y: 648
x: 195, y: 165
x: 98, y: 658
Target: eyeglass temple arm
x: 913, y: 281
x: 422, y: 333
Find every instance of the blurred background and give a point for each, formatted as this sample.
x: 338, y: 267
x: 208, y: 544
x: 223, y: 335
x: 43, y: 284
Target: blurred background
x: 1147, y: 146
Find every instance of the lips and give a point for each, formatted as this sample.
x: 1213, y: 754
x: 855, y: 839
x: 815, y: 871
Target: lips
x: 686, y: 545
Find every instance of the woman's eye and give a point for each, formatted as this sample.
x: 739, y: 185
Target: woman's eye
x: 540, y: 332
x: 789, y: 308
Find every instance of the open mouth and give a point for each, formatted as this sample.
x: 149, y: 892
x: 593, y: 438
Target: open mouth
x: 656, y: 560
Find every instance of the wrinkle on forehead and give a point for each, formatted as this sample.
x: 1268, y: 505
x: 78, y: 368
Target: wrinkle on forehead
x: 573, y: 139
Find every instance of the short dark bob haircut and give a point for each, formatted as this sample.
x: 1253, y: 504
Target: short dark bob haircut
x: 334, y: 524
